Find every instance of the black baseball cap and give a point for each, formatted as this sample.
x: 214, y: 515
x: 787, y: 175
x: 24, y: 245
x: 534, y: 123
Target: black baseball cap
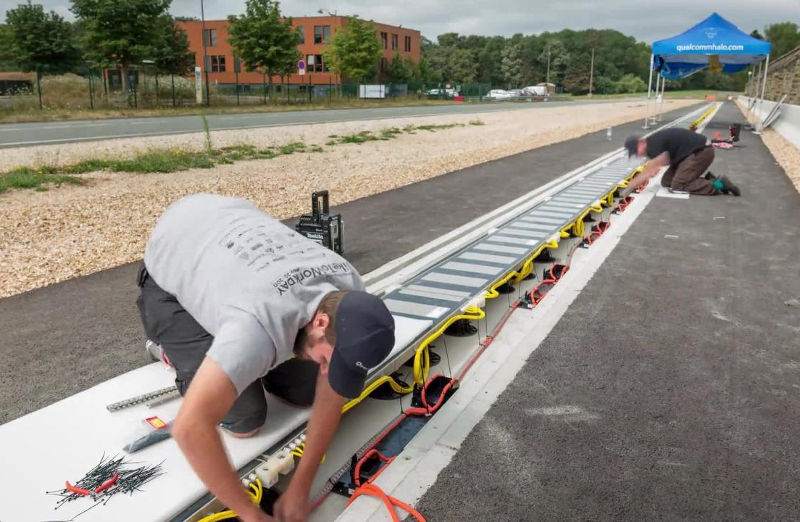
x: 364, y: 337
x: 632, y: 144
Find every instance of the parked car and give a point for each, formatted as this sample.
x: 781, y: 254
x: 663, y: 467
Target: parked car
x: 498, y: 94
x: 517, y: 93
x: 441, y: 93
x: 536, y: 90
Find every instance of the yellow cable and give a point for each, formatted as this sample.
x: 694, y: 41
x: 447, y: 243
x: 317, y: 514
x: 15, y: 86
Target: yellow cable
x: 492, y: 293
x: 422, y: 362
x: 527, y: 267
x: 256, y: 492
x: 373, y: 386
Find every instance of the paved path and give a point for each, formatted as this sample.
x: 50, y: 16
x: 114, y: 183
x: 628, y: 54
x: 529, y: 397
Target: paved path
x: 48, y: 133
x: 670, y: 388
x: 64, y: 338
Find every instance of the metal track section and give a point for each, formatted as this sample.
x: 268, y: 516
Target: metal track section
x: 161, y: 395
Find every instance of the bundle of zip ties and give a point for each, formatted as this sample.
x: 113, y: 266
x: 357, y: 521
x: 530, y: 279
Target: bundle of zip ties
x: 113, y: 475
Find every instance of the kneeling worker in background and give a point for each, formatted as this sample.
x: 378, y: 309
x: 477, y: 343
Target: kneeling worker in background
x: 239, y: 304
x: 688, y: 155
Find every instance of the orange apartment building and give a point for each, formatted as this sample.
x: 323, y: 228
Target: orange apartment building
x: 315, y: 32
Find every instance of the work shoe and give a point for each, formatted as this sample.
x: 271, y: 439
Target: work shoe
x: 728, y: 186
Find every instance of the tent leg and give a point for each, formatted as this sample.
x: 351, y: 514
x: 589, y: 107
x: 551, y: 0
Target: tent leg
x: 655, y: 101
x: 764, y: 84
x: 758, y: 123
x: 661, y: 99
x: 649, y: 85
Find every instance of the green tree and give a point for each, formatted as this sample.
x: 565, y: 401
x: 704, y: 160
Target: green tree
x: 511, y: 64
x: 603, y: 85
x: 263, y: 40
x: 172, y: 54
x: 783, y: 36
x: 400, y: 70
x: 489, y: 67
x: 35, y: 40
x: 452, y: 64
x: 5, y: 58
x: 576, y: 74
x: 354, y: 50
x: 124, y: 32
x: 630, y: 83
x: 554, y: 52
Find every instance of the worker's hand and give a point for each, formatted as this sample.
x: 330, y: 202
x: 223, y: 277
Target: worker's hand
x: 292, y: 506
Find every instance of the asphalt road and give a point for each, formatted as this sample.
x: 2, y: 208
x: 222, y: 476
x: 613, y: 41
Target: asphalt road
x: 48, y: 133
x: 669, y: 389
x: 59, y: 340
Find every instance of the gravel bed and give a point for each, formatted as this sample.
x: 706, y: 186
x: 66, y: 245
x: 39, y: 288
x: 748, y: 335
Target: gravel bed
x: 784, y: 152
x: 69, y: 231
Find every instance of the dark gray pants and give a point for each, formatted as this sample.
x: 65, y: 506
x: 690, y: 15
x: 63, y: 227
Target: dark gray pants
x: 686, y: 175
x: 185, y: 344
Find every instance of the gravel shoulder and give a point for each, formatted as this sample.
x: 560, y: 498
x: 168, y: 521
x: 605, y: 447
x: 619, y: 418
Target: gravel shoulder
x: 52, y: 236
x: 784, y: 152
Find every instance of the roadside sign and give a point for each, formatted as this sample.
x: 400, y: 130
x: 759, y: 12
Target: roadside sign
x: 301, y: 68
x: 198, y: 84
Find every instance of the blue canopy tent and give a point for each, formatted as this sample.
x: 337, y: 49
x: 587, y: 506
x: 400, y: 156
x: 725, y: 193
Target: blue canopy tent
x: 714, y: 43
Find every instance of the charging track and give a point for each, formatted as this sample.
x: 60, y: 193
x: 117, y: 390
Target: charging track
x: 416, y: 468
x: 501, y: 256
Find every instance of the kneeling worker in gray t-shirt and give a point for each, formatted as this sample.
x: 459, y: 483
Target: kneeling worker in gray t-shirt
x: 240, y: 304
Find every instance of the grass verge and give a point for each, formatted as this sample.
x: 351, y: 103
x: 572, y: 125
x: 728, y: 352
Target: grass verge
x: 171, y: 160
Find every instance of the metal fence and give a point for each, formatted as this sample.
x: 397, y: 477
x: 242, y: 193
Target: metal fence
x: 91, y: 89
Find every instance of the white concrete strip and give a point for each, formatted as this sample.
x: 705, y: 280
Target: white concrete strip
x: 416, y: 468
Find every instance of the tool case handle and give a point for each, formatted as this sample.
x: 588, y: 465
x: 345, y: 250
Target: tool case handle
x: 316, y: 197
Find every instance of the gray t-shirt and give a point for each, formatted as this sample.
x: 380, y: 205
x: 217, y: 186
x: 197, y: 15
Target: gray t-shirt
x: 246, y: 278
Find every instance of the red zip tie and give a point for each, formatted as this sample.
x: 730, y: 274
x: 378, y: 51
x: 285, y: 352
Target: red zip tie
x: 107, y: 484
x: 75, y: 489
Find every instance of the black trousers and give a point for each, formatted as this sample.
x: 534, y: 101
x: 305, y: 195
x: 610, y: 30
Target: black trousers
x: 185, y: 344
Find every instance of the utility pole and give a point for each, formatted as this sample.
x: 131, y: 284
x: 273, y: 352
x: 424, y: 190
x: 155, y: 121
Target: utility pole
x: 548, y: 66
x: 591, y: 73
x: 205, y: 54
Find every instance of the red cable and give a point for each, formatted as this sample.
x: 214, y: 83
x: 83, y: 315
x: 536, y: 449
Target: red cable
x: 388, y: 501
x: 371, y: 453
x: 431, y: 410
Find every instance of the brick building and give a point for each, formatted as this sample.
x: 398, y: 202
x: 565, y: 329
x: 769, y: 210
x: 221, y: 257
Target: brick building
x: 315, y: 32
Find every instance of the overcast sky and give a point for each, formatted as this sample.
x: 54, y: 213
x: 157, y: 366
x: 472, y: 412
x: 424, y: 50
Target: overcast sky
x: 646, y: 20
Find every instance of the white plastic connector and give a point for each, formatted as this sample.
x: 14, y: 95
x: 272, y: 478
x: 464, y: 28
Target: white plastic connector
x: 246, y: 482
x: 282, y: 461
x: 268, y: 474
x: 477, y: 301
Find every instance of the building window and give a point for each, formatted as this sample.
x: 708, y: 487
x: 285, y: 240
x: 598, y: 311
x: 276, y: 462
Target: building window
x: 322, y: 34
x: 210, y: 37
x: 407, y: 44
x: 315, y: 63
x: 217, y: 63
x: 383, y: 39
x: 302, y: 32
x: 394, y: 42
x: 384, y: 64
